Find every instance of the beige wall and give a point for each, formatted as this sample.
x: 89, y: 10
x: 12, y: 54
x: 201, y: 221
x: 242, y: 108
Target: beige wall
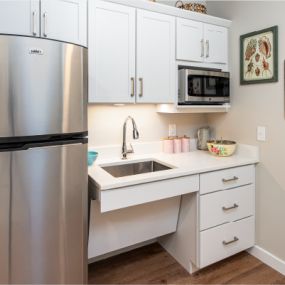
x: 263, y: 105
x: 106, y: 123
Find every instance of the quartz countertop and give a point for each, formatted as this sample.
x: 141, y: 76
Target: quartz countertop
x: 183, y: 164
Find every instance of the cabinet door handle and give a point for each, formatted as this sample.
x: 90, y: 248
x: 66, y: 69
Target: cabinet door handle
x: 141, y: 86
x: 230, y: 208
x: 133, y: 86
x: 45, y: 24
x: 207, y: 48
x: 235, y: 178
x: 202, y: 48
x: 231, y: 241
x: 34, y: 23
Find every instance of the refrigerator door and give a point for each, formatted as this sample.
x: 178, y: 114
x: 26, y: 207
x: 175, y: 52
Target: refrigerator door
x: 40, y: 77
x: 5, y: 186
x: 49, y: 215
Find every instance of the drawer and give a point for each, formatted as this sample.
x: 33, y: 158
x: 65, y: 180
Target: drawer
x: 226, y: 206
x: 227, y: 178
x: 148, y: 192
x: 226, y: 240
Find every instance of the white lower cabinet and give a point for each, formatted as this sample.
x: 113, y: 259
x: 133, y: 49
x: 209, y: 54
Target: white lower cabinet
x: 223, y: 241
x: 218, y: 221
x: 226, y: 206
x: 226, y: 213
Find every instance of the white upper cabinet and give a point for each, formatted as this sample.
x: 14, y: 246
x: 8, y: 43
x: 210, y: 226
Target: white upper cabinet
x: 111, y: 53
x: 20, y: 17
x: 155, y: 57
x: 201, y: 43
x: 64, y: 20
x: 216, y: 44
x: 190, y: 40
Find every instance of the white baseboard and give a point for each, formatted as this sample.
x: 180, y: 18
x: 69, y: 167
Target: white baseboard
x: 268, y: 258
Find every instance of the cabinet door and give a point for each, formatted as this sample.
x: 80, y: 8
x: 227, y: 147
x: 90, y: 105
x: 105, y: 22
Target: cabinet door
x: 216, y: 44
x: 155, y: 57
x: 111, y: 53
x: 64, y: 20
x: 190, y: 40
x: 19, y: 17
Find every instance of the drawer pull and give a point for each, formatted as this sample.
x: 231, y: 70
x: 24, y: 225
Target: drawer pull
x: 231, y: 241
x: 235, y: 178
x: 230, y: 208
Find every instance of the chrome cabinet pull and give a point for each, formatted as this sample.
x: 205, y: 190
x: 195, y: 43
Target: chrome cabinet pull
x: 231, y: 241
x: 207, y: 48
x: 230, y: 180
x: 141, y: 85
x: 133, y: 86
x: 230, y: 208
x: 34, y: 23
x: 202, y: 48
x: 45, y: 24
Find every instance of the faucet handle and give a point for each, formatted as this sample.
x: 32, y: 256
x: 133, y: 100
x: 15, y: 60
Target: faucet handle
x: 136, y: 134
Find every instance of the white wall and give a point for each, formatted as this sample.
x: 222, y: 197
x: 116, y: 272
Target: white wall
x: 261, y: 104
x: 106, y: 123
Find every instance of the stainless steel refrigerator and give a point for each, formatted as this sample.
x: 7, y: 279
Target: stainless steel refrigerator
x: 43, y: 161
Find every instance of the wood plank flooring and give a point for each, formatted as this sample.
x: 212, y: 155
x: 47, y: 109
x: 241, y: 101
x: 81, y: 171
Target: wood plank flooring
x: 153, y: 265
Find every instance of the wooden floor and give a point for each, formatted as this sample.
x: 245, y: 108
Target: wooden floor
x: 152, y: 265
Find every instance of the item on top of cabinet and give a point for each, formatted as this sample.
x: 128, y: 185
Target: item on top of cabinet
x: 92, y: 156
x: 222, y: 147
x: 194, y: 7
x: 185, y: 144
x: 177, y: 145
x: 203, y: 137
x: 168, y: 145
x: 259, y: 56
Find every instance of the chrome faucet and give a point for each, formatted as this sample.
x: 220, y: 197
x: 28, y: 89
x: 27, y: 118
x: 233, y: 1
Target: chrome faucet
x: 136, y: 135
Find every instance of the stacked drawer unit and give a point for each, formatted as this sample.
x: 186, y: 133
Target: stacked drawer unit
x: 226, y: 213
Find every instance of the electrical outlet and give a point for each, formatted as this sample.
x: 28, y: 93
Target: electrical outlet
x: 261, y: 134
x: 172, y: 130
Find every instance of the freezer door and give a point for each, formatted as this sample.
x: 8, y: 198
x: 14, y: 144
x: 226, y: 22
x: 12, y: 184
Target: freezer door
x: 5, y: 186
x: 49, y: 215
x: 43, y: 87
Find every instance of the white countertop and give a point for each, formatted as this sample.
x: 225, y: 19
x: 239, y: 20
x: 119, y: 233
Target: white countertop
x: 183, y: 164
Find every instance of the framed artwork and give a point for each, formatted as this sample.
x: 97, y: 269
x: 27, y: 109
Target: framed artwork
x: 259, y: 56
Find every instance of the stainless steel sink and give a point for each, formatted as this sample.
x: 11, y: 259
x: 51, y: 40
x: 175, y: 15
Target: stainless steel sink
x: 127, y: 169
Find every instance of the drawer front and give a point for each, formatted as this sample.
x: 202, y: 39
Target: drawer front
x: 225, y: 179
x: 148, y: 192
x: 226, y: 240
x: 226, y: 206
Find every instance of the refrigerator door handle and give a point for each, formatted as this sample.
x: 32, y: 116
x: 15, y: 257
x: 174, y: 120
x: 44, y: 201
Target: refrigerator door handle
x: 26, y: 146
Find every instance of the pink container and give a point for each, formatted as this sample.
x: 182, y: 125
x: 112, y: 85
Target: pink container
x: 177, y: 145
x: 168, y: 145
x: 185, y: 144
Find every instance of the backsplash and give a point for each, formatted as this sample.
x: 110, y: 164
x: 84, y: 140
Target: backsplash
x: 106, y: 123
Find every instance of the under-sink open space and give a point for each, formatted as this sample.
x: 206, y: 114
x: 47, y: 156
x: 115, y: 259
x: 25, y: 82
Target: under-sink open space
x: 134, y: 168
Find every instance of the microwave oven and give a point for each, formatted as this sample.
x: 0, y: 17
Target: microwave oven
x: 203, y: 87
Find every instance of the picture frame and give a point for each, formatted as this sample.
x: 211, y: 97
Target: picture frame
x: 259, y: 56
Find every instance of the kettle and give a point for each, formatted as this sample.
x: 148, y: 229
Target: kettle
x: 203, y: 136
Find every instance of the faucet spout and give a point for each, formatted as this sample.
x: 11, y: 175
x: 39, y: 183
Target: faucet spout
x: 136, y: 136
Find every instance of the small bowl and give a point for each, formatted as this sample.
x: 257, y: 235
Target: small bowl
x: 92, y: 156
x: 222, y: 148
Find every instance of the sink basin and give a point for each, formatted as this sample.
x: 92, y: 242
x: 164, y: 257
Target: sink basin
x: 134, y: 168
